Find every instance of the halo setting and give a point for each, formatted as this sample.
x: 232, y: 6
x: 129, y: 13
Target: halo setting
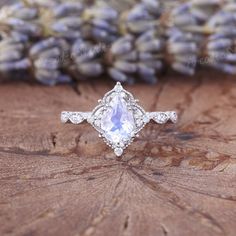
x: 118, y: 118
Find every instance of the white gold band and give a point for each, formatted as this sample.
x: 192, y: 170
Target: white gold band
x: 78, y: 117
x: 118, y: 118
x: 74, y: 117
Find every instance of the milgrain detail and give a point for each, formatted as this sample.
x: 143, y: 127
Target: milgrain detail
x: 78, y: 117
x: 118, y: 118
x: 75, y: 117
x: 173, y: 180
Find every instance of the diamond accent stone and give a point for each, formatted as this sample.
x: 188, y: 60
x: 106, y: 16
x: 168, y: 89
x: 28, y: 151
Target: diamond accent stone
x: 173, y: 116
x: 161, y: 118
x: 118, y: 118
x: 118, y: 151
x: 64, y: 117
x: 118, y: 121
x: 76, y: 118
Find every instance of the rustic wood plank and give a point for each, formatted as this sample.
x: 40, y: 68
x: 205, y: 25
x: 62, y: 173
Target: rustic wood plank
x: 174, y: 180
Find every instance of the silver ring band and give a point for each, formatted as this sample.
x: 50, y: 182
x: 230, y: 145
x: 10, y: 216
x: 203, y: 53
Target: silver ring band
x: 118, y: 118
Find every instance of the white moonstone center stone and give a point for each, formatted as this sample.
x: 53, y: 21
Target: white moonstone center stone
x: 118, y: 122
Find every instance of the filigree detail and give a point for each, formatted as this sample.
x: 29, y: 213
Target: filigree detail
x: 139, y: 117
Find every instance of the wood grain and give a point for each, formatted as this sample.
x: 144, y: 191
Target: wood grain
x: 174, y: 180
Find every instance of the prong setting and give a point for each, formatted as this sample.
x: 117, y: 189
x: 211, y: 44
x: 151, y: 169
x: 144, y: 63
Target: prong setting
x: 140, y: 117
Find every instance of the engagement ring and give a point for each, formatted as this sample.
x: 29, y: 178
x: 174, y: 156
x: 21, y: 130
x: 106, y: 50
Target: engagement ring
x: 118, y: 118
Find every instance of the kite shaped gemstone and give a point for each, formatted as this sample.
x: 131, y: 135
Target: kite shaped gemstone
x: 118, y: 121
x: 118, y: 118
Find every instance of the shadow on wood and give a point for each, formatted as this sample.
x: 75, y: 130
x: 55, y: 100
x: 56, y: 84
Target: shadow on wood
x: 174, y: 180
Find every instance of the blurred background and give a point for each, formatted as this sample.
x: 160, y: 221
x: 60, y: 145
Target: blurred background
x: 51, y: 42
x: 62, y: 180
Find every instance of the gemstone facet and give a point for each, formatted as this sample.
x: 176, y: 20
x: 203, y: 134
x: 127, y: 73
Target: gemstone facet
x: 118, y: 118
x: 118, y: 121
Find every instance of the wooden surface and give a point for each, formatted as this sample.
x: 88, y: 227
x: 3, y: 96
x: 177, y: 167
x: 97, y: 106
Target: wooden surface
x: 174, y: 180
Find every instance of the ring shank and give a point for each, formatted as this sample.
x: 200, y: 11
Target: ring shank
x: 79, y: 117
x: 163, y: 117
x: 74, y: 117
